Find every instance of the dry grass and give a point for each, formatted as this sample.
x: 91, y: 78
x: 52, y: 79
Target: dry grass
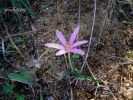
x: 106, y: 59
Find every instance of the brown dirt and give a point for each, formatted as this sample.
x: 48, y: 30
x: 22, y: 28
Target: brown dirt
x: 109, y: 56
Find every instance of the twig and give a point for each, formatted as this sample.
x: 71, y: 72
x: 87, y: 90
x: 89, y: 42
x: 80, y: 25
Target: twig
x: 92, y: 29
x: 87, y: 55
x: 109, y: 90
x: 14, y: 45
x: 54, y: 76
x: 3, y: 52
x: 32, y: 90
x: 30, y: 32
x: 90, y: 70
x: 71, y: 94
x: 43, y: 54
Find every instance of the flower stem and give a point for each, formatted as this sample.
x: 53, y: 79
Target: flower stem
x: 70, y: 62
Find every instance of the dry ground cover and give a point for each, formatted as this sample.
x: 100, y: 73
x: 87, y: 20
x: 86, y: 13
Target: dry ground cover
x: 31, y: 71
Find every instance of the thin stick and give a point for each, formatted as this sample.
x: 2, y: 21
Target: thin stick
x: 87, y: 55
x: 71, y: 94
x: 32, y: 90
x: 14, y: 45
x: 54, y: 76
x: 92, y: 30
x: 43, y: 54
x: 109, y: 90
x: 30, y: 32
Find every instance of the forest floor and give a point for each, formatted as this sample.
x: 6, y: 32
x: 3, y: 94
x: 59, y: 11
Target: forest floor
x: 110, y: 55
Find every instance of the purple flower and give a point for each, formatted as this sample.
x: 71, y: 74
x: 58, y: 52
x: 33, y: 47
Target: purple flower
x: 68, y: 46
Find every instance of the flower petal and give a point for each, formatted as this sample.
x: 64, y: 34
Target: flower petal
x: 78, y: 43
x: 53, y: 45
x: 61, y: 37
x: 61, y: 52
x: 74, y: 34
x: 78, y: 51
